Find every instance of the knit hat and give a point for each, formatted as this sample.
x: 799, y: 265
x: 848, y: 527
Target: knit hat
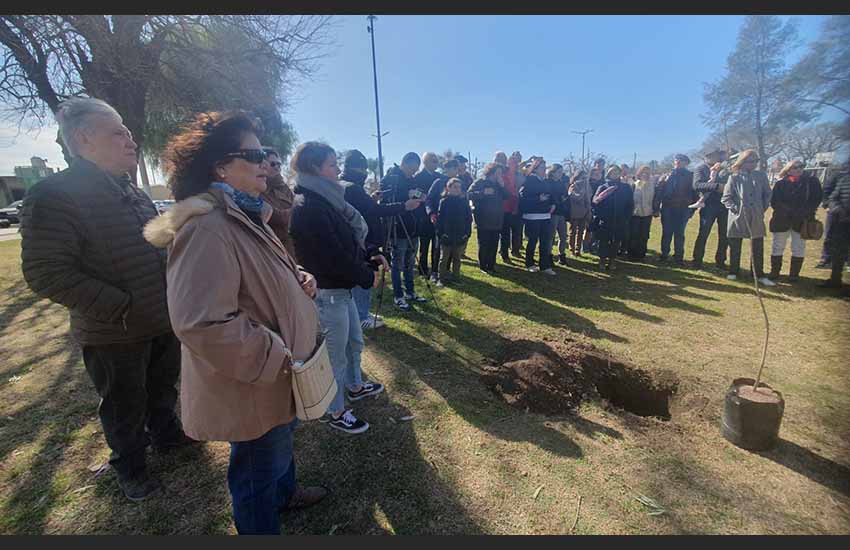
x: 354, y: 160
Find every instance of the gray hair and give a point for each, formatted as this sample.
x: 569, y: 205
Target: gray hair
x: 75, y: 114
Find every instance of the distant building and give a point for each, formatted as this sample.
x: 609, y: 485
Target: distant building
x: 37, y: 171
x: 11, y: 189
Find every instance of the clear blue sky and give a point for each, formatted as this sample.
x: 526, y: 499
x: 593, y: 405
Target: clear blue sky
x: 483, y: 83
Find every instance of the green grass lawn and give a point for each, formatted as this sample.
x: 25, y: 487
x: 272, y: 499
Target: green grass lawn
x: 468, y: 462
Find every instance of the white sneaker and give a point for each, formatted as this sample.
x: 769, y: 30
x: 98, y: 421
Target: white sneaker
x: 766, y: 282
x: 732, y: 277
x: 549, y: 271
x: 371, y: 323
x: 533, y: 269
x: 439, y: 284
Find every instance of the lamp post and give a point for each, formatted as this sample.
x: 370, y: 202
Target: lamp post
x: 583, y: 133
x: 371, y: 30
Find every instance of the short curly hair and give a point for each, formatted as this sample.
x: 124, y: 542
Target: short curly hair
x: 191, y: 157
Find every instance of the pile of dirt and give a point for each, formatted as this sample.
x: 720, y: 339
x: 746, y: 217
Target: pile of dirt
x: 553, y: 377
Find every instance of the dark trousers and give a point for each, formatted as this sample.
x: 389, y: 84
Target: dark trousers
x: 511, y: 235
x: 577, y: 232
x: 639, y: 227
x: 609, y: 242
x: 707, y: 217
x: 450, y: 260
x: 261, y: 479
x: 623, y: 246
x: 488, y: 244
x: 735, y: 255
x: 840, y: 244
x: 425, y: 242
x: 673, y: 223
x: 137, y: 388
x: 537, y: 231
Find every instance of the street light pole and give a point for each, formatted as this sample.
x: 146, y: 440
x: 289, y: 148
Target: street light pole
x: 583, y: 133
x: 371, y: 30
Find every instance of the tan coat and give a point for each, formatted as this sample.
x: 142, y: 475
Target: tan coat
x: 238, y: 308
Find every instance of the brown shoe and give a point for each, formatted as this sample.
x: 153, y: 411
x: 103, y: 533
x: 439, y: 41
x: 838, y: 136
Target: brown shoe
x: 305, y: 497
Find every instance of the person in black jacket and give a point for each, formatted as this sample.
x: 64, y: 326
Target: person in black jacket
x: 462, y: 173
x: 487, y: 195
x: 711, y: 189
x: 595, y: 180
x: 454, y: 226
x: 559, y: 184
x: 536, y: 207
x: 82, y: 247
x: 398, y: 186
x: 838, y: 205
x: 794, y: 200
x: 676, y: 193
x: 330, y: 242
x: 613, y: 205
x: 424, y: 180
x: 353, y: 179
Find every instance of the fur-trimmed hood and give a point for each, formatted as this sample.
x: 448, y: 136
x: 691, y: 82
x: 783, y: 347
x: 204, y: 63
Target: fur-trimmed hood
x: 160, y: 231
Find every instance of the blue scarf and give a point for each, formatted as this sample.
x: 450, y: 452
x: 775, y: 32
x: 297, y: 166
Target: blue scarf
x: 243, y: 200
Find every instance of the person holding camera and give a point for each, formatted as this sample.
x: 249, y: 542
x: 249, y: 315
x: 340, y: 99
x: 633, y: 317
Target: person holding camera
x: 398, y: 186
x: 353, y: 180
x: 330, y: 242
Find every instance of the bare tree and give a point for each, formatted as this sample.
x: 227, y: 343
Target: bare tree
x: 137, y: 61
x: 750, y: 98
x: 808, y: 141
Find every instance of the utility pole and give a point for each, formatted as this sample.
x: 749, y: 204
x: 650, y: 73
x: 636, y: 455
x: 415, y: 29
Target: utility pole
x: 583, y: 133
x: 371, y: 30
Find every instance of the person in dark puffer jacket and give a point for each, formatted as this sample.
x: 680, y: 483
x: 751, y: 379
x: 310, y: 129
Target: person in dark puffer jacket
x: 795, y: 199
x: 487, y: 196
x: 536, y: 207
x: 330, y: 242
x: 838, y: 205
x: 613, y: 205
x: 454, y: 226
x: 559, y: 184
x: 424, y: 180
x: 82, y: 247
x: 353, y: 179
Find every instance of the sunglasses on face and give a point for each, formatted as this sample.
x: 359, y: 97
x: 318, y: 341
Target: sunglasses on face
x: 254, y: 156
x: 275, y: 164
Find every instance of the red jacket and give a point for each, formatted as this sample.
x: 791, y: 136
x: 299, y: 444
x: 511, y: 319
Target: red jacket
x: 511, y: 204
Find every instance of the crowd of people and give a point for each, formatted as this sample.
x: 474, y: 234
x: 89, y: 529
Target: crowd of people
x: 239, y: 282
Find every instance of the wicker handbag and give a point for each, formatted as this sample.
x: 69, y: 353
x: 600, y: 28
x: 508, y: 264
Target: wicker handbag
x: 313, y: 383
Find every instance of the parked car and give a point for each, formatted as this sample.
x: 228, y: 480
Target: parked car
x: 11, y: 214
x: 163, y: 205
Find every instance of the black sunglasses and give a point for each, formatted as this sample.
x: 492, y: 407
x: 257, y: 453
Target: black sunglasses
x: 254, y: 156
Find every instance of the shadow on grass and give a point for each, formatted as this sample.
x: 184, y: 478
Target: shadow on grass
x: 831, y: 475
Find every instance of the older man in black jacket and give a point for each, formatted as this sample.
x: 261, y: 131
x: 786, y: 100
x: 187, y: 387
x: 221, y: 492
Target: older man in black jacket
x: 713, y: 211
x: 82, y: 247
x: 836, y: 199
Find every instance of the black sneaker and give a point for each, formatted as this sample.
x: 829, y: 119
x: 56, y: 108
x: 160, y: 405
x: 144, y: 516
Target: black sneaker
x: 413, y: 297
x: 348, y: 423
x: 367, y: 389
x: 139, y: 487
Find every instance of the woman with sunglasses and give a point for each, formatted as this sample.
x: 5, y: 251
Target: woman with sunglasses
x: 330, y: 241
x: 795, y: 199
x: 747, y: 196
x: 243, y: 311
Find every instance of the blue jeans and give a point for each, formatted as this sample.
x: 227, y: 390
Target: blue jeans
x: 403, y: 259
x: 261, y: 479
x: 339, y: 319
x: 673, y: 223
x: 363, y: 300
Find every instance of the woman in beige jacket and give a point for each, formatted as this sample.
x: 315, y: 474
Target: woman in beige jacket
x: 242, y: 310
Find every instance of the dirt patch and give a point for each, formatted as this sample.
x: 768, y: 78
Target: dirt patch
x: 552, y: 378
